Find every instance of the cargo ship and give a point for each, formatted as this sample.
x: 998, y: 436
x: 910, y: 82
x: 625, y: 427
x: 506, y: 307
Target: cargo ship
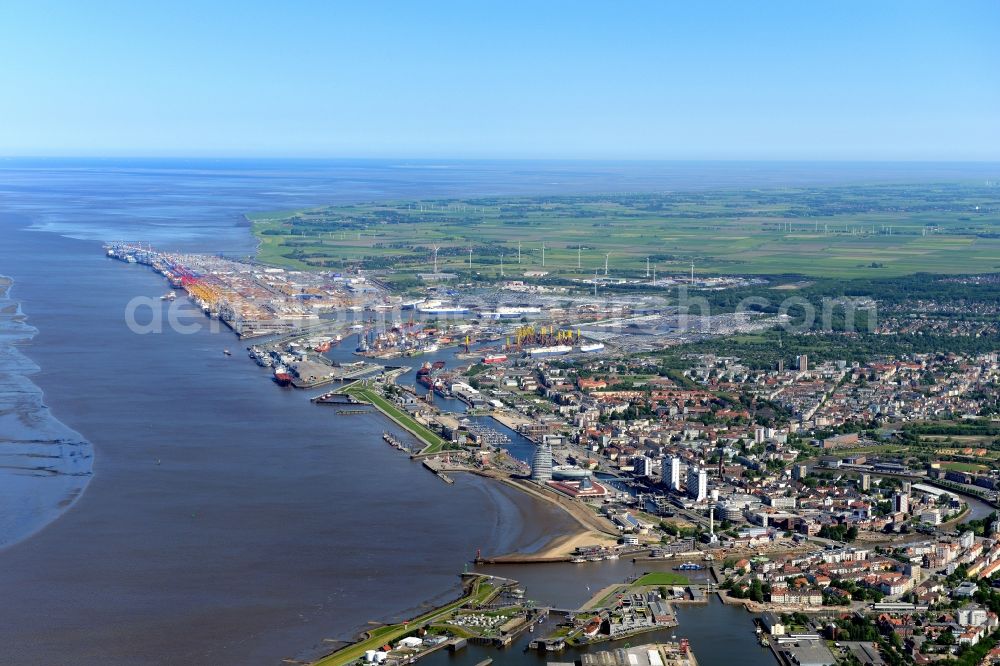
x: 490, y: 359
x: 323, y: 346
x: 597, y: 346
x: 424, y: 375
x: 436, y: 308
x: 282, y: 376
x: 554, y: 350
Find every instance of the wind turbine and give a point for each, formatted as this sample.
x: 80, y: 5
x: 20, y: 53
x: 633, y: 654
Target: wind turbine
x: 606, y: 264
x: 519, y: 252
x: 579, y: 249
x: 647, y: 266
x: 543, y: 254
x: 501, y: 264
x: 595, y: 283
x: 436, y: 248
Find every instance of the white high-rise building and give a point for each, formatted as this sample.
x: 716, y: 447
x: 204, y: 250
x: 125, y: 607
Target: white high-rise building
x: 672, y: 473
x: 541, y: 463
x: 642, y: 466
x: 697, y: 483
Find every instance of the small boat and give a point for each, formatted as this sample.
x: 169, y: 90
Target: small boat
x: 689, y: 566
x: 227, y: 352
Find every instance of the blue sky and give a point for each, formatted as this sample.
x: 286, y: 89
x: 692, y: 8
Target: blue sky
x: 580, y: 80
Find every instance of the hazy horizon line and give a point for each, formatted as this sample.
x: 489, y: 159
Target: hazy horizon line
x: 418, y: 158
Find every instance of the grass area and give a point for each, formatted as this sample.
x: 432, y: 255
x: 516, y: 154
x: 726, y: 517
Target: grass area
x: 656, y: 578
x: 606, y: 600
x: 652, y: 579
x: 959, y: 440
x: 484, y: 592
x: 962, y: 467
x: 390, y: 633
x: 818, y: 231
x: 433, y: 442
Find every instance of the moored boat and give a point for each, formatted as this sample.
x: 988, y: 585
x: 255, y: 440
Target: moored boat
x: 282, y: 376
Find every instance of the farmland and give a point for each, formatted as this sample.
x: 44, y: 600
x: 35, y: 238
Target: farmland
x: 842, y: 232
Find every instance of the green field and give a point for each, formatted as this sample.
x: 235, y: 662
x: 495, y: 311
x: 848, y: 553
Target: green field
x: 390, y: 633
x: 430, y: 439
x: 871, y: 231
x: 964, y: 467
x: 657, y: 578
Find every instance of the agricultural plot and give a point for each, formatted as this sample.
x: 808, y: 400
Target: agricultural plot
x: 870, y: 231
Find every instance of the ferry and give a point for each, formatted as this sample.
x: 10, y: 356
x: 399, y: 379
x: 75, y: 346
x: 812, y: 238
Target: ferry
x: 689, y: 566
x: 491, y: 359
x: 597, y: 346
x: 169, y: 296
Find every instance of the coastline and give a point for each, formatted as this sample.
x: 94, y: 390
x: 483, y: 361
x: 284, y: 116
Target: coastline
x: 160, y: 513
x: 45, y: 466
x: 559, y: 547
x: 593, y: 529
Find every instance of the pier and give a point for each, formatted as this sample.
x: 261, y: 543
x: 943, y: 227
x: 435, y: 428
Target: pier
x: 435, y: 466
x: 336, y: 398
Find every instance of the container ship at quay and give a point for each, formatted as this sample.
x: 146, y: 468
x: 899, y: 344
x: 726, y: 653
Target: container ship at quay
x: 554, y: 350
x: 282, y: 376
x: 493, y: 359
